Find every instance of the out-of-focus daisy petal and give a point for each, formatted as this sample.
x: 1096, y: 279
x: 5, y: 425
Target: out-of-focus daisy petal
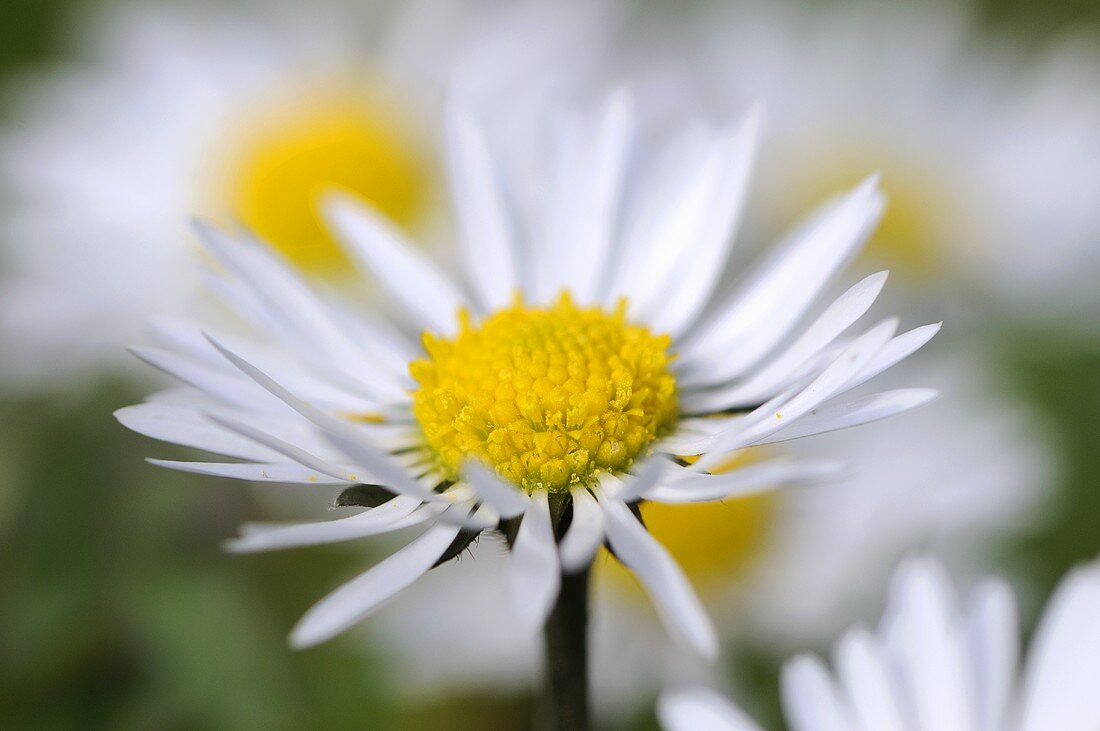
x: 694, y: 709
x: 413, y: 281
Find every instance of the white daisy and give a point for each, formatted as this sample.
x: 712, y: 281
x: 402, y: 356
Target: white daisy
x: 992, y: 159
x: 554, y: 387
x: 239, y: 112
x: 949, y: 478
x: 936, y: 663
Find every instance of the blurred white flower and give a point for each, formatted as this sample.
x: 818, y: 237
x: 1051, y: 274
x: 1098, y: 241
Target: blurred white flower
x: 991, y: 154
x: 551, y: 362
x: 776, y: 570
x: 240, y: 113
x: 937, y: 663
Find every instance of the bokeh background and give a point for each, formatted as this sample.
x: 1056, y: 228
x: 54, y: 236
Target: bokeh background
x: 119, y: 610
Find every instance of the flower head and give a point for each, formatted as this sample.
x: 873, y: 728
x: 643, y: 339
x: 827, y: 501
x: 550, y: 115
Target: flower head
x: 587, y: 355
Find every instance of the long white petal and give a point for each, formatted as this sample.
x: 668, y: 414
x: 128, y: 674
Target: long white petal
x: 665, y: 225
x: 585, y: 534
x: 743, y: 481
x: 810, y: 699
x: 394, y: 515
x: 534, y: 571
x: 898, y: 349
x: 846, y: 414
x: 701, y: 709
x: 300, y: 315
x: 664, y: 581
x: 227, y: 387
x: 993, y: 635
x: 864, y: 673
x: 635, y: 486
x: 356, y: 600
x: 190, y: 428
x: 342, y: 434
x: 487, y: 247
x: 700, y: 266
x: 285, y: 472
x: 410, y: 278
x: 582, y: 202
x: 784, y: 287
x: 1060, y: 679
x: 851, y: 361
x: 921, y: 631
x: 840, y: 315
x: 290, y: 451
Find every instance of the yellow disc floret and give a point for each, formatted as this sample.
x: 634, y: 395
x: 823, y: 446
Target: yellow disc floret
x: 550, y: 397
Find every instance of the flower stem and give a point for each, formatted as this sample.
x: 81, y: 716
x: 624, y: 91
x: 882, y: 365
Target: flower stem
x: 564, y: 704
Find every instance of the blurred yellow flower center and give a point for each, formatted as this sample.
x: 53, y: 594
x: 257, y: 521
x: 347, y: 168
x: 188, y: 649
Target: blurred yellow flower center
x: 923, y: 213
x: 548, y: 396
x: 288, y: 156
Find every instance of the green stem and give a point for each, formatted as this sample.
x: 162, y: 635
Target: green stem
x: 565, y: 699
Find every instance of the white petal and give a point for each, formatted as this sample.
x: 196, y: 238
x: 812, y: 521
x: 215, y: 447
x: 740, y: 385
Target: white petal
x: 534, y: 571
x: 342, y: 434
x: 847, y: 308
x: 924, y: 634
x: 701, y: 709
x: 284, y: 472
x: 189, y: 428
x: 742, y: 481
x: 664, y: 581
x: 840, y: 372
x: 865, y: 675
x: 391, y: 516
x: 783, y: 288
x: 993, y: 634
x: 665, y: 219
x: 508, y: 500
x: 863, y: 410
x: 585, y: 534
x: 487, y: 246
x: 224, y: 386
x: 1060, y: 679
x: 582, y: 203
x: 356, y: 600
x: 288, y: 301
x: 693, y: 280
x: 635, y: 486
x: 288, y: 450
x: 410, y: 277
x: 810, y: 699
x: 894, y: 352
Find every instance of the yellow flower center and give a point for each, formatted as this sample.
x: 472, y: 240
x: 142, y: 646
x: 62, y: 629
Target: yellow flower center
x: 548, y: 396
x: 286, y: 156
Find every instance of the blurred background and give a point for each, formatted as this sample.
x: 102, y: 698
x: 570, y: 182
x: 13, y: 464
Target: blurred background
x: 118, y: 608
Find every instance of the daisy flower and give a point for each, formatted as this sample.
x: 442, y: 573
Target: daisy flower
x: 985, y: 151
x: 557, y: 385
x: 240, y: 112
x: 936, y: 662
